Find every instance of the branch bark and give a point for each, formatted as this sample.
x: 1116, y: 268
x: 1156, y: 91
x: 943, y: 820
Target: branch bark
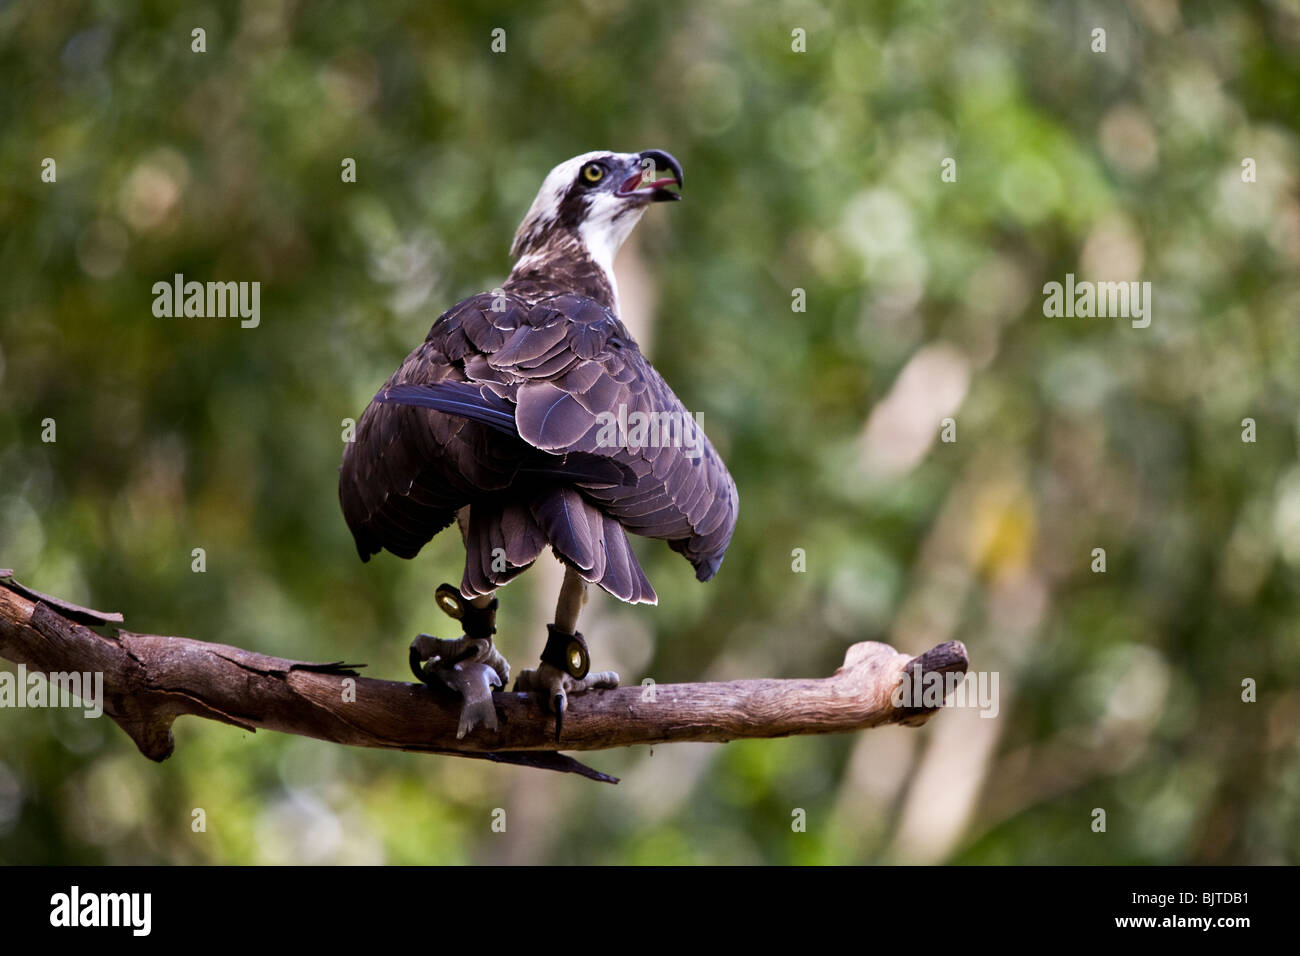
x: 150, y: 680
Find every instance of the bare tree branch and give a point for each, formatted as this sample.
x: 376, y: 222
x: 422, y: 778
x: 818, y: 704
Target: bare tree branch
x: 150, y: 680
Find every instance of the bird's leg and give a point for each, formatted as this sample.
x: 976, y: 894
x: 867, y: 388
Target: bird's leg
x: 470, y: 664
x: 565, y: 661
x: 478, y: 620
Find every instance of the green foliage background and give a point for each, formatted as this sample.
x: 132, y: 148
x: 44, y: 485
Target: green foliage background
x: 817, y: 170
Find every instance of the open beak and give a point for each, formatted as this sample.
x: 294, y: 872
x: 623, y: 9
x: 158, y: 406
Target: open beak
x: 646, y: 180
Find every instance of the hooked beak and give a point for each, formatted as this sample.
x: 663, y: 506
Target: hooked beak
x: 644, y: 181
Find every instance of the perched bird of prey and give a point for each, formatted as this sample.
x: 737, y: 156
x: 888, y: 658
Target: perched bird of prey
x: 511, y: 420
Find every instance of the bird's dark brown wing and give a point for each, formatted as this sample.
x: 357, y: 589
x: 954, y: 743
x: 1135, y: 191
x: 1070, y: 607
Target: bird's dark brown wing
x: 439, y: 436
x: 408, y: 470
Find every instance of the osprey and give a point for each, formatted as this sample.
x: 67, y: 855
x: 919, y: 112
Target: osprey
x: 510, y: 420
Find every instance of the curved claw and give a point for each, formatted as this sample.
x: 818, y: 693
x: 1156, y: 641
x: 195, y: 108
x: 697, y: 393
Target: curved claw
x: 559, y: 703
x: 417, y: 663
x: 555, y: 686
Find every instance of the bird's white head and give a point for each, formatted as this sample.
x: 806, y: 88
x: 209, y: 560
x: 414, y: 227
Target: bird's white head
x: 592, y: 202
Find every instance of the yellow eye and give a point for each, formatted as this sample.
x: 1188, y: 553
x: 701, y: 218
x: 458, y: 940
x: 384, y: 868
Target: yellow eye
x: 593, y: 173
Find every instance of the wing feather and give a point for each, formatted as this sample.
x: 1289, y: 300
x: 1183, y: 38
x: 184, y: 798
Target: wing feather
x: 496, y: 410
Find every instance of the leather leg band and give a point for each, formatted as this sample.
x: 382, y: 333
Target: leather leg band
x: 566, y: 652
x: 476, y: 622
x: 480, y: 622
